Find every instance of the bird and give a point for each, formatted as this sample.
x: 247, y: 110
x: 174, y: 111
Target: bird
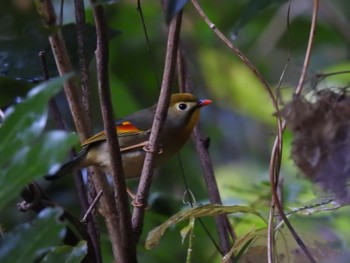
x: 133, y: 133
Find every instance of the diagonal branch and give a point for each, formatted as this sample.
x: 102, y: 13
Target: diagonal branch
x: 159, y: 118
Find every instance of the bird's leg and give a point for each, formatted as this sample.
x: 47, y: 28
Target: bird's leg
x: 133, y: 196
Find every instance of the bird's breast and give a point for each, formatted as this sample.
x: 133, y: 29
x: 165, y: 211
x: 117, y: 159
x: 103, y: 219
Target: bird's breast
x: 132, y: 160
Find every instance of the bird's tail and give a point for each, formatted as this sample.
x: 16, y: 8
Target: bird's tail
x: 68, y: 167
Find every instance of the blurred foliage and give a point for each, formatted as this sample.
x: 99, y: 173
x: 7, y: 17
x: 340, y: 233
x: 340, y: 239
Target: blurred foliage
x: 35, y: 239
x: 240, y: 122
x: 66, y: 254
x: 24, y: 146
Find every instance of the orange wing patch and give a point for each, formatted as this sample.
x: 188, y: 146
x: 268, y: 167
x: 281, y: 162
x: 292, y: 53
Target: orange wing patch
x: 123, y: 129
x: 127, y: 128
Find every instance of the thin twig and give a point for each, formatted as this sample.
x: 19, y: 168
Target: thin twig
x: 148, y: 42
x: 308, y: 49
x: 271, y: 222
x: 159, y: 118
x: 236, y: 51
x: 283, y: 73
x: 270, y: 234
x: 124, y: 247
x: 192, y: 202
x: 92, y: 206
x: 64, y: 66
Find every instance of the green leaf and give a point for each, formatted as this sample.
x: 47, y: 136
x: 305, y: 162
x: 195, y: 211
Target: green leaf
x: 200, y: 211
x: 25, y: 153
x: 66, y: 254
x: 26, y: 121
x: 29, y: 241
x: 34, y: 161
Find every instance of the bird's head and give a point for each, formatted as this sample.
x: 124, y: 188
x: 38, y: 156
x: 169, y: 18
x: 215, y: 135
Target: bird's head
x: 183, y: 113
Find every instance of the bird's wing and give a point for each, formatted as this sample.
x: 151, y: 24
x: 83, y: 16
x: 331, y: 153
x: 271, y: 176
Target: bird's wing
x: 125, y: 128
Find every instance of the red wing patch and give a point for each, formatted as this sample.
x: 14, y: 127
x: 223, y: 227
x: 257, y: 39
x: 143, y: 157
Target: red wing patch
x: 123, y: 129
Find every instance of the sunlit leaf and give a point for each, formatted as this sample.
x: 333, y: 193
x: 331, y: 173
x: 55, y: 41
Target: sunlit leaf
x: 29, y: 241
x: 200, y: 211
x: 66, y: 254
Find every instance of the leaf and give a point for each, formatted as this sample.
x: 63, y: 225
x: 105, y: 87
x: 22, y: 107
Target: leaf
x: 29, y: 241
x: 66, y: 254
x: 174, y: 7
x: 205, y: 210
x: 25, y: 122
x: 34, y: 161
x: 25, y: 153
x: 187, y: 230
x: 239, y: 246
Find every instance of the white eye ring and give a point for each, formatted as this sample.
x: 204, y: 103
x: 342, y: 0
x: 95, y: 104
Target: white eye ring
x: 182, y: 106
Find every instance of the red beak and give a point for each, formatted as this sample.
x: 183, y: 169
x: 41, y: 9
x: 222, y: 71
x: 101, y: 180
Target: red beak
x: 204, y: 102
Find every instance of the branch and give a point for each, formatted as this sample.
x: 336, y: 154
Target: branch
x: 159, y: 118
x: 309, y: 48
x: 86, y: 191
x: 123, y: 246
x: 64, y: 66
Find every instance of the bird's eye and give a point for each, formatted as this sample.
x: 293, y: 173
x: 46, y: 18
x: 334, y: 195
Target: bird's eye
x: 182, y: 106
